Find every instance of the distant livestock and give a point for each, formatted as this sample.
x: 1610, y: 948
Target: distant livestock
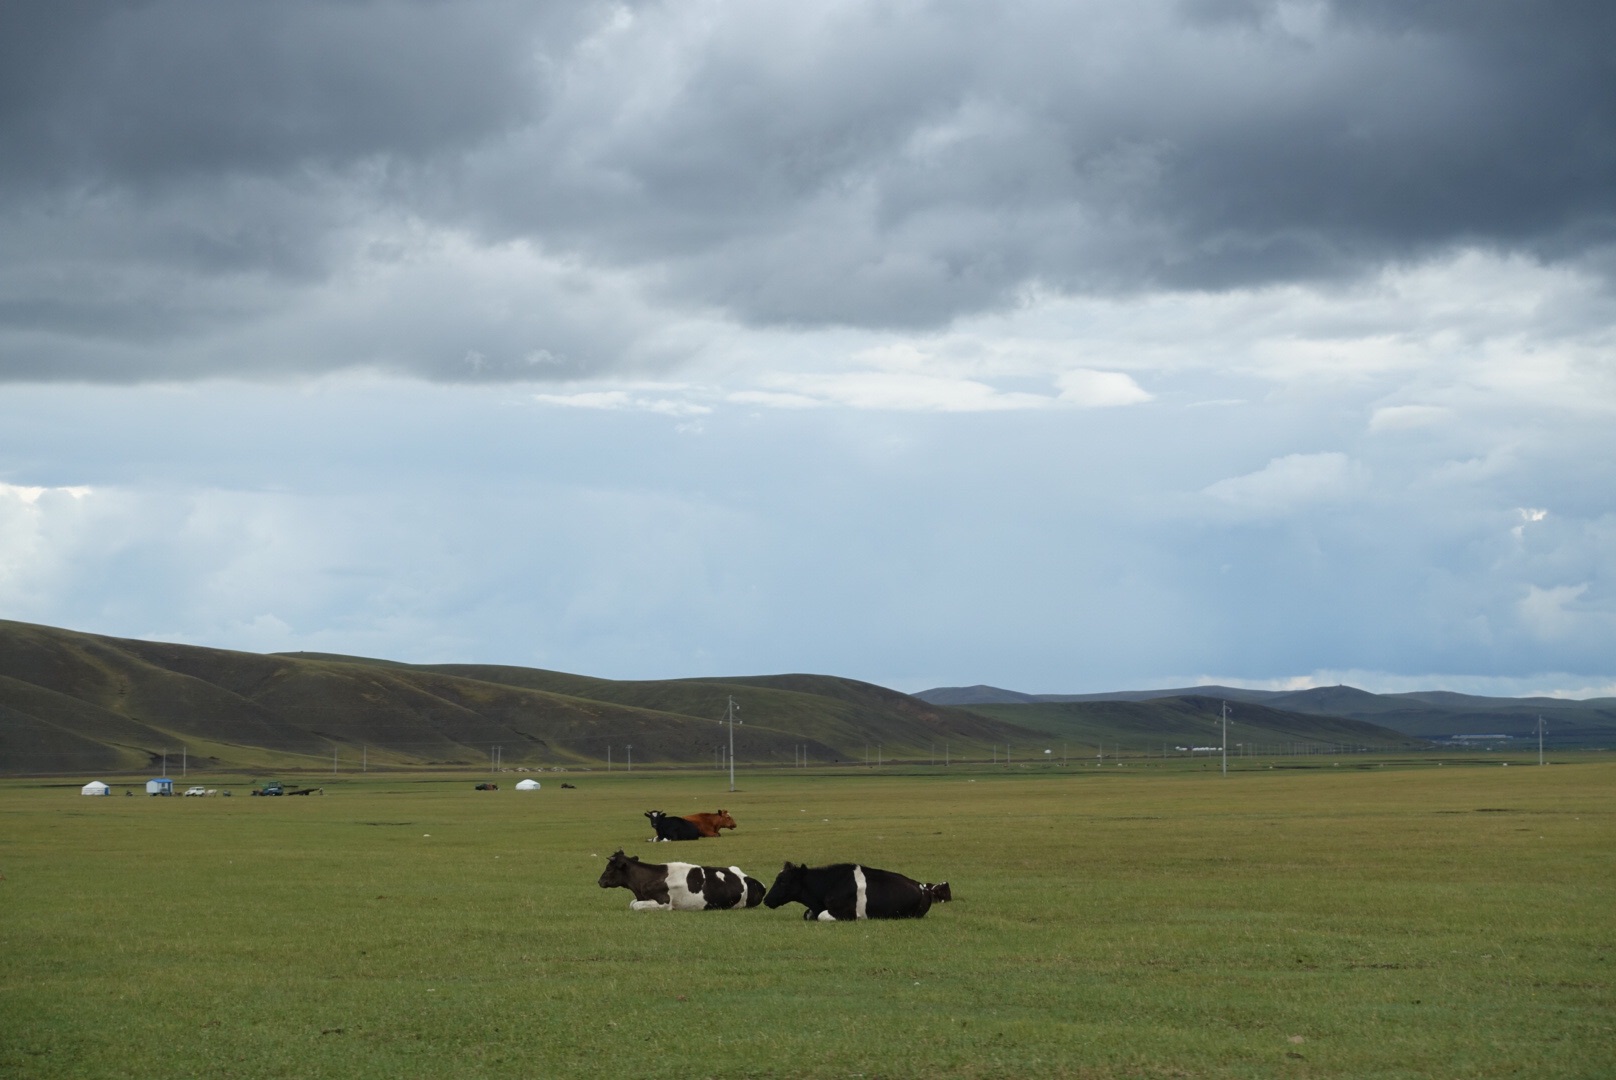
x: 680, y: 886
x: 487, y: 787
x: 850, y: 891
x: 672, y: 828
x: 709, y: 824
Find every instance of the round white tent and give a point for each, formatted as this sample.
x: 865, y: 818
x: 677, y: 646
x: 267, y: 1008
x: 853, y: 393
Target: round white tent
x: 527, y: 785
x: 95, y: 787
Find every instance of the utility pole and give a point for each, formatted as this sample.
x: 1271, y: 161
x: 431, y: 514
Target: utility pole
x: 1540, y: 739
x: 1225, y: 738
x: 185, y: 754
x: 630, y: 757
x: 729, y: 715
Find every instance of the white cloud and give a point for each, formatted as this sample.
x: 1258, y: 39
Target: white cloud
x: 624, y: 401
x: 1408, y: 417
x: 774, y: 399
x: 1552, y: 613
x: 902, y: 391
x: 1100, y: 389
x: 1292, y: 482
x: 1528, y: 516
x: 42, y: 533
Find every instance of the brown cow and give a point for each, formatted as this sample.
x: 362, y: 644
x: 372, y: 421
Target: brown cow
x: 709, y: 824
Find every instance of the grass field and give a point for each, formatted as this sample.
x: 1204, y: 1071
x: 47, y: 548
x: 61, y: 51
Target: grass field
x: 1405, y: 921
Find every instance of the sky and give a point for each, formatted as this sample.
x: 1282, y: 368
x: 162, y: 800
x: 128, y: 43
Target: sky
x: 1064, y: 347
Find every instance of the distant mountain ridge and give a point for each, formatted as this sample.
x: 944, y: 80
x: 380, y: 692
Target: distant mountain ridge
x: 82, y: 702
x: 1428, y: 714
x: 72, y: 702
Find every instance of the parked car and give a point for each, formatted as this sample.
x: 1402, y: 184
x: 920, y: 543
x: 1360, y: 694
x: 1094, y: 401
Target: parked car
x: 196, y: 791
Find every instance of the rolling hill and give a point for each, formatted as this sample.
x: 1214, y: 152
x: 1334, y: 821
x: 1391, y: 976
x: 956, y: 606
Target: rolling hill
x: 1189, y: 721
x: 1436, y: 715
x: 74, y: 702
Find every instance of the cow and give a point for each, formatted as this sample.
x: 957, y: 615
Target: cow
x: 709, y: 824
x: 671, y: 828
x: 487, y: 787
x: 850, y: 891
x: 940, y: 893
x: 680, y: 886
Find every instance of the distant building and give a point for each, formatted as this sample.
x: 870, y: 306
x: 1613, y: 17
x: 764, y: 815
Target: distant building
x: 160, y: 786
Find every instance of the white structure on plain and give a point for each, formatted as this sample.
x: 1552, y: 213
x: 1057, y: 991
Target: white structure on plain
x: 529, y: 784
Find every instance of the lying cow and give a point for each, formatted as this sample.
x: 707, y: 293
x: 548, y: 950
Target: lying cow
x: 680, y: 886
x: 709, y: 824
x: 850, y: 891
x: 672, y: 828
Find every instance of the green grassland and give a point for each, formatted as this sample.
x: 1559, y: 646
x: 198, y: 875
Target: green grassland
x: 1163, y: 921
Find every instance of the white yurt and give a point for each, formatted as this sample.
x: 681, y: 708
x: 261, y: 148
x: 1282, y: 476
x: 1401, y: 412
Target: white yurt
x: 527, y: 785
x: 95, y: 787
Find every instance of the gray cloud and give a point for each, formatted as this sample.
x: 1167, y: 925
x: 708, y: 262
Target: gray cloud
x: 176, y: 171
x: 140, y: 94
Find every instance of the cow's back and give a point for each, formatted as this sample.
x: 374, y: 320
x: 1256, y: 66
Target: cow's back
x: 711, y: 888
x: 755, y: 889
x: 891, y: 895
x: 672, y: 828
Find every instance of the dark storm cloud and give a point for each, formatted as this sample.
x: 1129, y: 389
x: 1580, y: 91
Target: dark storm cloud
x: 135, y: 94
x: 873, y: 169
x: 173, y: 168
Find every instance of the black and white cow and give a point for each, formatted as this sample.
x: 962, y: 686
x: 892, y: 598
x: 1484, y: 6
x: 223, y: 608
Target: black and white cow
x: 671, y: 828
x: 940, y: 893
x: 680, y: 886
x: 849, y: 891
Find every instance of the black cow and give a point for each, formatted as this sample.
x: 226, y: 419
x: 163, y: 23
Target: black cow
x: 849, y: 891
x: 671, y: 828
x: 680, y: 886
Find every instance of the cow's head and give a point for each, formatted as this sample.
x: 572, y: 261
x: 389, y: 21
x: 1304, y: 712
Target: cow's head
x: 940, y: 892
x: 616, y: 873
x: 724, y: 821
x: 787, y: 886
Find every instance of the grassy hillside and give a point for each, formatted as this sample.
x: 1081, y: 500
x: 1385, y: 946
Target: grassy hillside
x: 1439, y: 715
x: 1150, y: 726
x: 80, y: 702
